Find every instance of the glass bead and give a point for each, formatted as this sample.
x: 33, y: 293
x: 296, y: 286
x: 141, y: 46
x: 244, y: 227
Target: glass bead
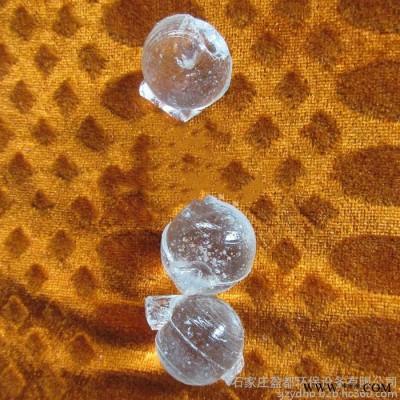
x: 208, y: 247
x: 200, y: 339
x: 186, y: 66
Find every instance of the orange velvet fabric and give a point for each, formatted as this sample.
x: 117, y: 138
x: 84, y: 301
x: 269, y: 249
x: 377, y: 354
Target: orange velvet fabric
x: 306, y: 143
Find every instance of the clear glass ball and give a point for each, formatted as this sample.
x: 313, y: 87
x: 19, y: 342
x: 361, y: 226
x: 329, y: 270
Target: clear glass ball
x: 202, y: 341
x: 208, y: 247
x: 186, y: 63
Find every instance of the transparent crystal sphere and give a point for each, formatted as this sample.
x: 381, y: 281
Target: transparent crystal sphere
x: 186, y: 65
x: 200, y: 340
x: 208, y: 247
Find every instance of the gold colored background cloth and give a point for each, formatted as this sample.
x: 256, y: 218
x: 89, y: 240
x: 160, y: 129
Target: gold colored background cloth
x: 306, y: 143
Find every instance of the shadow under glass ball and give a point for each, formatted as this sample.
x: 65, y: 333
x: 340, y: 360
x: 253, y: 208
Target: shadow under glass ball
x: 186, y: 62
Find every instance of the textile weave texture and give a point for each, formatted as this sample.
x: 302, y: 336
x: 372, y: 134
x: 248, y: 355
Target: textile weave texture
x: 306, y: 143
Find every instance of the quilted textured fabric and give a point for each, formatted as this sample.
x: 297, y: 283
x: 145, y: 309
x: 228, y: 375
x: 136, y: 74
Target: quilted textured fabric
x: 306, y: 143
